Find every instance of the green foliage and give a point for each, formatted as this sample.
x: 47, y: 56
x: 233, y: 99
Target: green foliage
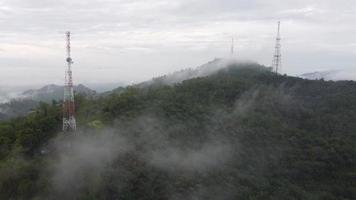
x: 291, y: 138
x: 21, y: 142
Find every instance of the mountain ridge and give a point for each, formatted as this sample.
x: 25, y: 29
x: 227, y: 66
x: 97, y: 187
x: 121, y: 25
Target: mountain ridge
x: 51, y: 92
x: 331, y: 75
x: 26, y: 101
x: 243, y: 132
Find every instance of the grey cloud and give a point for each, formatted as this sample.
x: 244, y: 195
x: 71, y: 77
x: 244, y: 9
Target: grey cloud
x: 195, y: 31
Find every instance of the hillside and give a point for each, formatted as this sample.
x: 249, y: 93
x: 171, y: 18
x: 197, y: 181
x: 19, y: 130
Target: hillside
x: 190, y: 73
x: 241, y: 132
x: 16, y: 108
x: 331, y: 75
x: 30, y: 99
x: 54, y: 92
x: 326, y: 75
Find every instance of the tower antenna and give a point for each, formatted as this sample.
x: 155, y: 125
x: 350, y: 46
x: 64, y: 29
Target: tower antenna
x: 277, y: 57
x: 69, y: 123
x: 232, y: 47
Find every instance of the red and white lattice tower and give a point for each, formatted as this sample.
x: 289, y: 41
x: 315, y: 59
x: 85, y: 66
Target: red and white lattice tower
x: 69, y: 123
x: 277, y: 57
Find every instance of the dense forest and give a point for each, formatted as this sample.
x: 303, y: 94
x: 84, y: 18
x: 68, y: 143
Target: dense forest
x: 243, y: 132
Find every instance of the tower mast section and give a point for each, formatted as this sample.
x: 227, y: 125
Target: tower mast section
x: 232, y: 47
x: 277, y: 57
x: 69, y: 122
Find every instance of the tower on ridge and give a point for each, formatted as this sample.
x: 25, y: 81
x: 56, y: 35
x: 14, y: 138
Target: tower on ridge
x: 232, y: 47
x: 277, y: 57
x: 69, y: 123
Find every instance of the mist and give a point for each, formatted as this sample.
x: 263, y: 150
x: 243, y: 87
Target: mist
x: 92, y: 158
x: 200, y: 71
x: 9, y: 93
x: 83, y: 161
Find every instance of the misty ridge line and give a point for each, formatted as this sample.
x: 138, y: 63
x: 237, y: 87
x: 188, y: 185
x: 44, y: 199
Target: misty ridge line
x: 29, y: 99
x: 200, y: 71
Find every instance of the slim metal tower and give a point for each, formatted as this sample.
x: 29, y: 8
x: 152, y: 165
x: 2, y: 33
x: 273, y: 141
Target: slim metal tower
x: 69, y: 123
x: 277, y: 58
x: 232, y: 47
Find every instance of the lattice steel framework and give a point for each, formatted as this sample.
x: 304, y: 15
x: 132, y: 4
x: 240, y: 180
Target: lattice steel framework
x: 69, y: 122
x: 232, y: 47
x: 277, y: 57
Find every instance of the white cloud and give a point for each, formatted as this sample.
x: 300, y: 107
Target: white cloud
x: 132, y: 40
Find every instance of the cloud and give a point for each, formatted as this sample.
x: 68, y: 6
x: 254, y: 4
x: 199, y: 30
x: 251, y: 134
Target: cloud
x: 168, y: 35
x: 85, y: 161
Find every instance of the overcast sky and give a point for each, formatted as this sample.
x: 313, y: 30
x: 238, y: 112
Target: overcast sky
x: 134, y: 40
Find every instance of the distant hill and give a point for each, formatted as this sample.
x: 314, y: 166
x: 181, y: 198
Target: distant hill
x: 105, y: 87
x: 185, y: 74
x: 327, y: 75
x: 331, y: 75
x: 16, y: 108
x: 55, y: 92
x: 30, y: 99
x: 7, y: 93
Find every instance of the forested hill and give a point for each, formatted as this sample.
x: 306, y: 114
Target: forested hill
x: 240, y: 133
x: 25, y: 102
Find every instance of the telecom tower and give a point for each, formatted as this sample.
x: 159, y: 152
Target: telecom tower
x: 277, y: 58
x: 232, y: 47
x: 69, y: 123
